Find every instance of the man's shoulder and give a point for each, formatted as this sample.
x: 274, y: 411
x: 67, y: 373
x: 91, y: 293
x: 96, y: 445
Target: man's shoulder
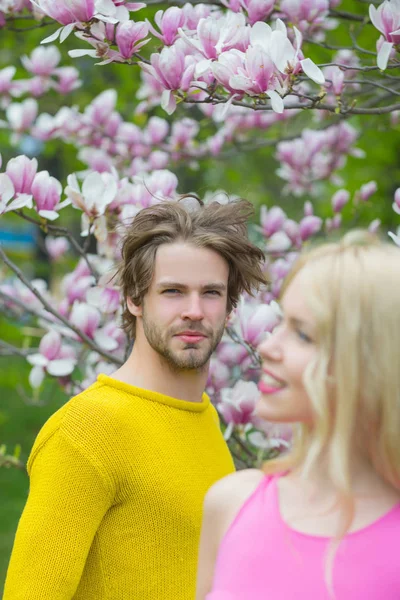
x: 92, y: 412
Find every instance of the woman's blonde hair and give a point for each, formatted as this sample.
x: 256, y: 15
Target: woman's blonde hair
x: 353, y: 290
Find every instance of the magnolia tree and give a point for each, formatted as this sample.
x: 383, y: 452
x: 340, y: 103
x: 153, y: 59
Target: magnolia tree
x: 241, y: 66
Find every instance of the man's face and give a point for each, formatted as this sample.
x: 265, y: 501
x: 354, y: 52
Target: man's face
x: 184, y: 311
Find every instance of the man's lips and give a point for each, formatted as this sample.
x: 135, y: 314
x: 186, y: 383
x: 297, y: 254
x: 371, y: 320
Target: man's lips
x: 191, y: 336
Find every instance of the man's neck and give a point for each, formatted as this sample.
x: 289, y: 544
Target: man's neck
x: 146, y: 369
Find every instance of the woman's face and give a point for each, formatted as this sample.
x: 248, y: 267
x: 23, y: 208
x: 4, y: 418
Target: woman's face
x: 285, y: 357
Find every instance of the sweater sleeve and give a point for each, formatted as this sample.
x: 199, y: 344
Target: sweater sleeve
x: 67, y: 500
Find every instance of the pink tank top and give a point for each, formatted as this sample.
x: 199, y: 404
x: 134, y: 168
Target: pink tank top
x: 262, y: 558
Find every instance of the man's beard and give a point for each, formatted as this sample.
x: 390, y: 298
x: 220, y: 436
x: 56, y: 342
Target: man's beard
x: 192, y: 355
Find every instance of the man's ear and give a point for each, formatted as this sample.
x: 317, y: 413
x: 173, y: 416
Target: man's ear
x: 135, y: 310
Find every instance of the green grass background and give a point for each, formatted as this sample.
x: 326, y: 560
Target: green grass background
x: 20, y: 421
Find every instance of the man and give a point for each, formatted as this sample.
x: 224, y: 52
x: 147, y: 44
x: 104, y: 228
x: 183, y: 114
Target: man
x: 118, y: 475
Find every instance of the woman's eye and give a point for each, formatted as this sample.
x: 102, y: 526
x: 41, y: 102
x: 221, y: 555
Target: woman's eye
x: 303, y: 336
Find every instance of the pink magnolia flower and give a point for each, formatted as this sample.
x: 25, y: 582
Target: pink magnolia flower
x: 73, y: 12
x: 101, y: 108
x: 218, y: 376
x: 237, y: 404
x: 168, y: 22
x: 386, y: 19
x: 86, y: 318
x: 309, y: 226
x: 257, y: 77
x: 339, y: 199
x: 111, y: 337
x: 174, y: 70
x: 252, y: 322
x: 183, y: 132
x: 333, y: 224
x: 374, y: 226
x: 56, y: 246
x: 6, y: 84
x: 279, y: 242
x: 42, y: 60
x: 106, y: 298
x: 156, y: 130
x: 215, y: 36
x: 8, y: 199
x: 21, y: 115
x: 46, y: 191
x: 98, y: 191
x: 308, y: 11
x: 68, y: 79
x: 271, y: 220
x: 396, y: 203
x: 286, y: 57
x: 257, y: 10
x: 158, y: 185
x: 53, y: 358
x: 193, y: 14
x: 22, y: 170
x: 227, y: 66
x: 130, y: 37
x: 75, y: 285
x: 335, y: 79
x: 367, y: 190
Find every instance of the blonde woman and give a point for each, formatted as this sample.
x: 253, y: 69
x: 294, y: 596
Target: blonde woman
x: 323, y: 521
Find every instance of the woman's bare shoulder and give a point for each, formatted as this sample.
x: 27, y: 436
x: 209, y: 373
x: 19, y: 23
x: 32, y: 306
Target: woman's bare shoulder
x: 227, y: 495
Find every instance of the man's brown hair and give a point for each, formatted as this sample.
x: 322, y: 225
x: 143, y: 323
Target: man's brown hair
x: 219, y: 227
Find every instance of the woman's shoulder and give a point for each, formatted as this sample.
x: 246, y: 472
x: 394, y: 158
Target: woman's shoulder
x: 225, y: 498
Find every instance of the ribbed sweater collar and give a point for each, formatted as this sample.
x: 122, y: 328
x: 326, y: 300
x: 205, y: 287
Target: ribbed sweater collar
x: 154, y: 396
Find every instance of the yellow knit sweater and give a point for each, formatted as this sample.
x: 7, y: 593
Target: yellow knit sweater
x: 117, y: 480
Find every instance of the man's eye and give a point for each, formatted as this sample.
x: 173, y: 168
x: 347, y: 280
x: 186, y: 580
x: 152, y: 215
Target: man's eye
x: 171, y: 291
x: 213, y: 292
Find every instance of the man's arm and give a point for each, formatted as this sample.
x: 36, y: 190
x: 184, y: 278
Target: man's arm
x: 67, y: 500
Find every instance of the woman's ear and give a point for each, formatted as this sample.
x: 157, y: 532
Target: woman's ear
x: 135, y: 310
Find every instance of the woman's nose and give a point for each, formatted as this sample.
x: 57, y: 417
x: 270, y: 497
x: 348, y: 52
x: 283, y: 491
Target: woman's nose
x: 270, y: 348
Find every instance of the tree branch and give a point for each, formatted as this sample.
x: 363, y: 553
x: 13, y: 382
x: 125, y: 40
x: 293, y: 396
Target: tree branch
x: 83, y: 337
x: 9, y: 350
x: 60, y: 231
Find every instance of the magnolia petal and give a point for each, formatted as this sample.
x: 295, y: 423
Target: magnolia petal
x: 228, y: 431
x: 66, y: 31
x: 105, y: 341
x: 36, y: 377
x: 260, y: 35
x: 37, y: 360
x: 7, y: 190
x: 280, y: 26
x: 20, y: 201
x: 53, y: 37
x: 51, y: 215
x: 312, y: 71
x: 168, y: 102
x: 394, y: 237
x: 374, y: 16
x: 383, y: 55
x: 239, y: 82
x: 202, y: 67
x: 78, y: 53
x: 276, y: 101
x: 61, y: 367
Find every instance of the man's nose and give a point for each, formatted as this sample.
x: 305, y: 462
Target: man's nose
x: 193, y: 308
